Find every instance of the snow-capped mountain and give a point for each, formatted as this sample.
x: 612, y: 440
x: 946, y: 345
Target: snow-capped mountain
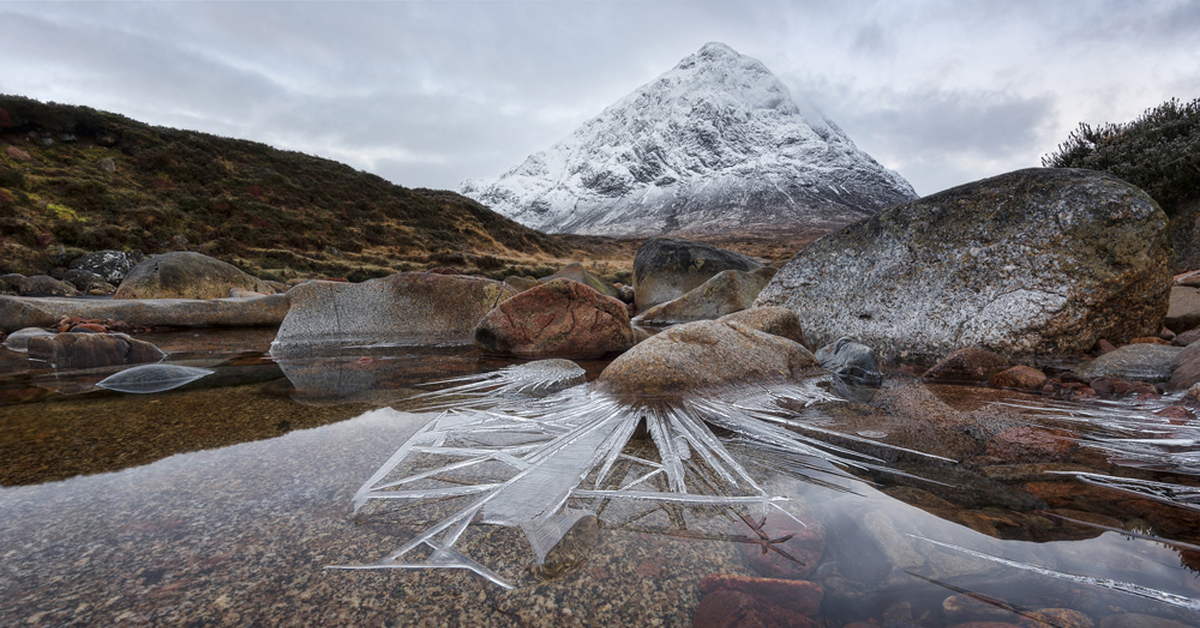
x: 715, y: 144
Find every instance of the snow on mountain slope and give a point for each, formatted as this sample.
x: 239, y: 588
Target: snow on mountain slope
x: 715, y: 144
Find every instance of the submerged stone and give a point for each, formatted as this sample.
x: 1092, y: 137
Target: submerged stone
x: 852, y: 361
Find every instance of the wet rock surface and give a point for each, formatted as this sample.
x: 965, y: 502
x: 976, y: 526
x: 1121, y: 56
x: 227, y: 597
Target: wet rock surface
x: 970, y: 364
x: 852, y: 361
x: 1034, y: 262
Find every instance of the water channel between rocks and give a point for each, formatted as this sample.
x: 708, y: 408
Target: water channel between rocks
x: 224, y: 502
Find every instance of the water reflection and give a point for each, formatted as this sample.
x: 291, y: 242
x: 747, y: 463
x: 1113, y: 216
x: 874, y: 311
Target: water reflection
x: 972, y: 505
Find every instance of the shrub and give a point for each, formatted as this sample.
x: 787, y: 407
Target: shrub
x: 1158, y: 152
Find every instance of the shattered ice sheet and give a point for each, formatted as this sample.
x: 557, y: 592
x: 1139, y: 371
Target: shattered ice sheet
x: 540, y: 463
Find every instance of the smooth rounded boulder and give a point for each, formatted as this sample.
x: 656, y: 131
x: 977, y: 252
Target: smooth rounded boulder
x: 724, y: 293
x: 186, y: 275
x: 665, y: 269
x: 704, y: 355
x: 561, y: 318
x: 405, y: 308
x: 1034, y: 262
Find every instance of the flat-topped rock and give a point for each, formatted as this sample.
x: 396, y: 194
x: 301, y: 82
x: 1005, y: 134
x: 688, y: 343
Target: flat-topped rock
x: 20, y: 312
x: 401, y: 309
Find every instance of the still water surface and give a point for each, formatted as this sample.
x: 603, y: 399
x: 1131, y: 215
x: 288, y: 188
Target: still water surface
x: 223, y: 503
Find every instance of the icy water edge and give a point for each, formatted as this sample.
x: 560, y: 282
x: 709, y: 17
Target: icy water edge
x: 225, y: 501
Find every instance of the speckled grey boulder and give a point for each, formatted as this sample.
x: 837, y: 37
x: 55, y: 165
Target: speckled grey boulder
x: 1139, y: 362
x: 405, y: 308
x: 1034, y: 262
x: 665, y: 269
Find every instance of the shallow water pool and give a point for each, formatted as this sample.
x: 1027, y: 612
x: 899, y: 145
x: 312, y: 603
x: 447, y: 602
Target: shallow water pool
x: 225, y: 501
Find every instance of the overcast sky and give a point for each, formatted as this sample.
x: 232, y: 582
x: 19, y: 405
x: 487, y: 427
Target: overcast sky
x: 428, y: 94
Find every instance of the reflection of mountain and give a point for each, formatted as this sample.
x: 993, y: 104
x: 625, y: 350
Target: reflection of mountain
x: 716, y: 144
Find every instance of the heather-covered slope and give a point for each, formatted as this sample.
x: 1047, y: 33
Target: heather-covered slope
x: 75, y: 179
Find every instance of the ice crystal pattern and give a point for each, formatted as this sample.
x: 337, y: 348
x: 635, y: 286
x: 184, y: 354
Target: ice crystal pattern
x: 541, y: 462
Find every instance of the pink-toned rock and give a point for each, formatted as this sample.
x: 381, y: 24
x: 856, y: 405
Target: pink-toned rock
x: 1056, y: 617
x: 561, y: 318
x: 1031, y: 443
x: 971, y: 364
x: 1020, y: 377
x: 1150, y: 340
x: 803, y: 549
x: 799, y: 596
x: 1103, y: 346
x: 727, y: 608
x: 18, y: 154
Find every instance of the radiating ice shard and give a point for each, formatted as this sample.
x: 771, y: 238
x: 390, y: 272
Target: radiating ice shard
x: 1166, y: 597
x: 495, y: 455
x: 152, y: 378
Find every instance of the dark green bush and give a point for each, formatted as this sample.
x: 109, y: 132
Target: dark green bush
x: 1158, y: 152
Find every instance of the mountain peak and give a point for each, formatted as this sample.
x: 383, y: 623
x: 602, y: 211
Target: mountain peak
x: 717, y: 143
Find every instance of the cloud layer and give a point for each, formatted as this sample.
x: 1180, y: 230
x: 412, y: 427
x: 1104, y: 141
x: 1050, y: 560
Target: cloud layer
x: 428, y: 94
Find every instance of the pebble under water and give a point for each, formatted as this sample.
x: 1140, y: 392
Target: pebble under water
x: 224, y: 501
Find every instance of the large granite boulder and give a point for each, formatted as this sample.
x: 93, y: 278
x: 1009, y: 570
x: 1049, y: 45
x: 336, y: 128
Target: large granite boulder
x: 665, y: 269
x: 559, y: 319
x: 186, y: 275
x: 724, y: 293
x: 81, y: 351
x: 405, y: 308
x: 704, y: 355
x: 1038, y: 261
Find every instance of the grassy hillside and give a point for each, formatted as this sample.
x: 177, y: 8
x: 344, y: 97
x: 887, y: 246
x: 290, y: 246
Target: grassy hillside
x: 73, y: 179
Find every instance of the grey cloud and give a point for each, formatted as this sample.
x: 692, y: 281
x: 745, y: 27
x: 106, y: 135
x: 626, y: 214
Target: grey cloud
x: 937, y: 138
